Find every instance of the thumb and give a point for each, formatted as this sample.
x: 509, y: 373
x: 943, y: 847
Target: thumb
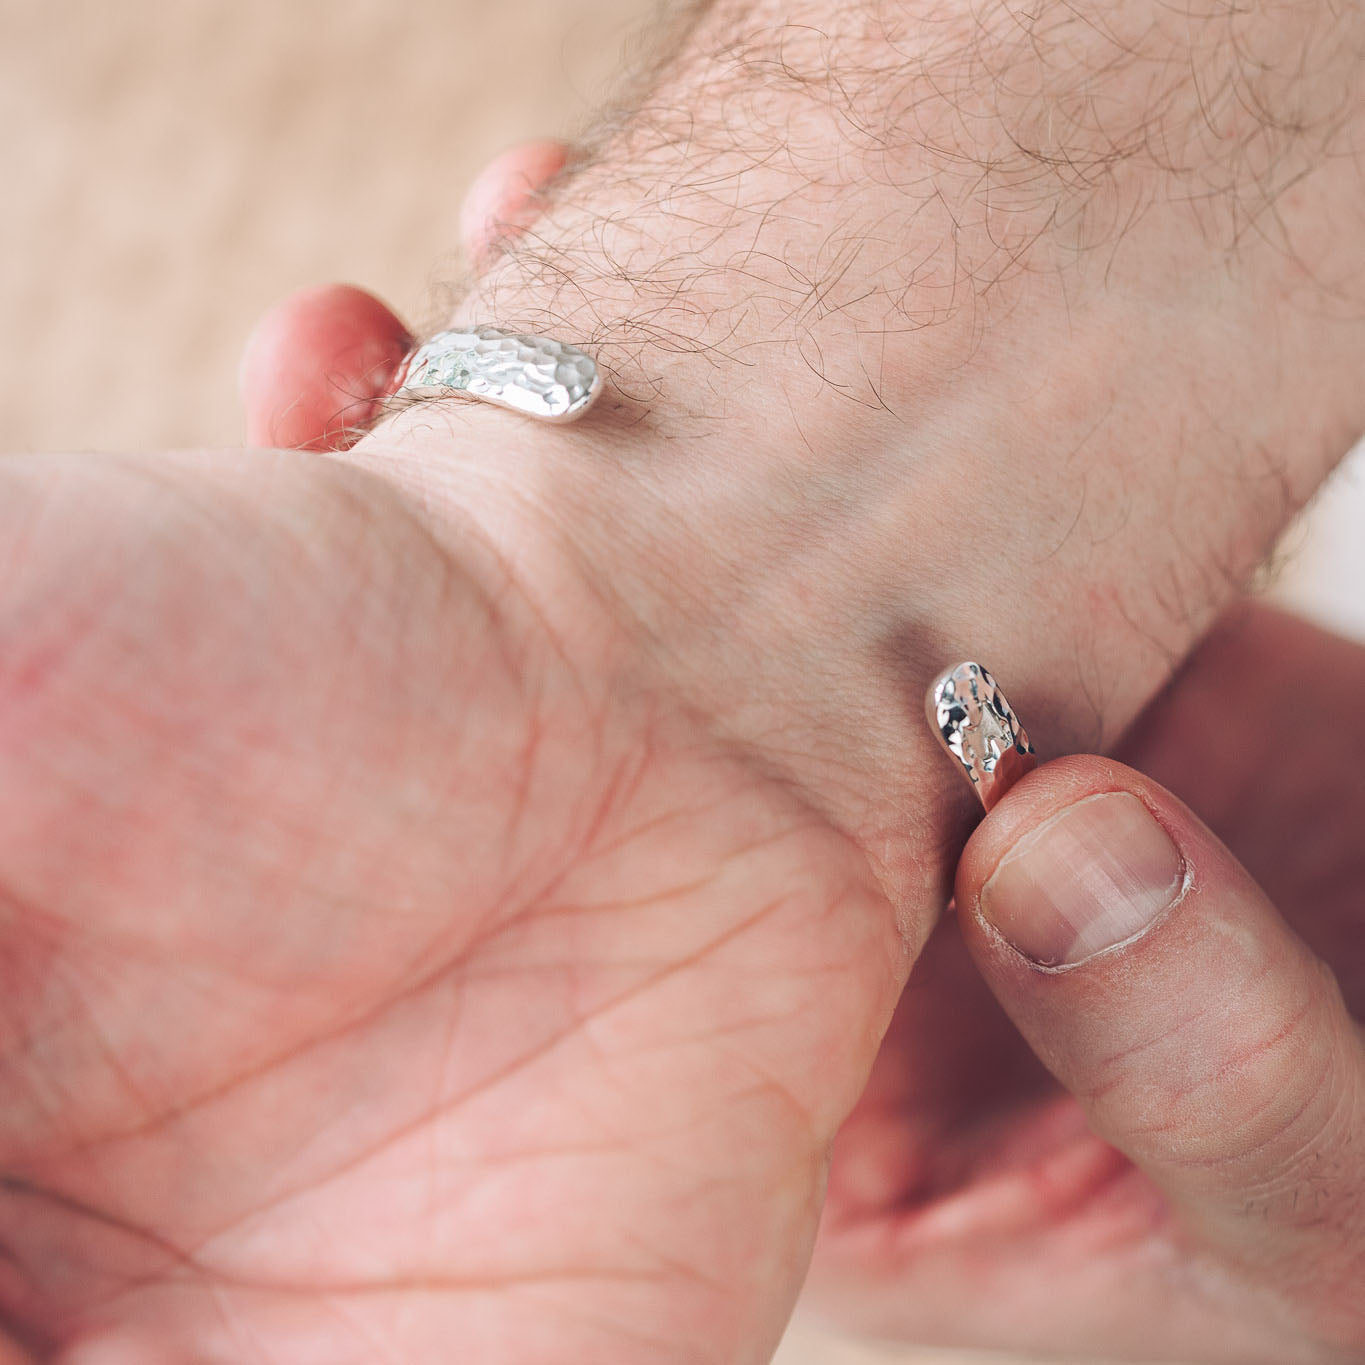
x: 1200, y: 1036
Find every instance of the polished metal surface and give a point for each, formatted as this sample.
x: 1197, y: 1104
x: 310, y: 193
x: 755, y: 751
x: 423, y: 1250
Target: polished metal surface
x: 979, y: 731
x: 536, y: 376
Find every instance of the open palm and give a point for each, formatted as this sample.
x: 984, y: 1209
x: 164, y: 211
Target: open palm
x: 393, y: 970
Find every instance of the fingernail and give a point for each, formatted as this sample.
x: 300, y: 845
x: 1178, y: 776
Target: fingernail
x: 1094, y: 875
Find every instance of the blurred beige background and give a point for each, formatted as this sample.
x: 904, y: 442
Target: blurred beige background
x: 170, y: 167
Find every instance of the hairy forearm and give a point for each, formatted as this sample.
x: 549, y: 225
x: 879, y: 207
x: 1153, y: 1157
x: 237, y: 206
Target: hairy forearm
x: 812, y: 193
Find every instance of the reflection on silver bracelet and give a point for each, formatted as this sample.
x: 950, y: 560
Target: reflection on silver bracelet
x: 549, y: 380
x: 979, y: 730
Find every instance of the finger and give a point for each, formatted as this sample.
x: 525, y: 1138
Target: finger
x: 1200, y: 1036
x: 319, y: 363
x: 508, y: 195
x: 317, y: 366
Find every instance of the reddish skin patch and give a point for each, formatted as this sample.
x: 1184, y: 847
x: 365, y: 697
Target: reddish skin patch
x: 316, y: 367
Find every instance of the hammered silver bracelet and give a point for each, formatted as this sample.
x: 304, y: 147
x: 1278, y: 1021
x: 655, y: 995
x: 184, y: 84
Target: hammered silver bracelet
x: 536, y: 376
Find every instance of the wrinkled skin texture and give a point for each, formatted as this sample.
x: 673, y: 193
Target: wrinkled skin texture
x: 383, y: 977
x: 535, y: 1000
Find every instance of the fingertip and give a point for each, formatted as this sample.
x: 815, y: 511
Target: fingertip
x: 506, y: 196
x: 316, y: 366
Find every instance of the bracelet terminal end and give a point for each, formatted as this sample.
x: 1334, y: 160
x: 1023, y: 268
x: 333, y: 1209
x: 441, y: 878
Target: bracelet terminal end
x: 979, y: 731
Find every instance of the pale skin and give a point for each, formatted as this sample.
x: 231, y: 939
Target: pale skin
x: 456, y: 893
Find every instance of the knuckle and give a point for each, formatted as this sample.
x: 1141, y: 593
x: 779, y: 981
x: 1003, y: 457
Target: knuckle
x: 1260, y: 1093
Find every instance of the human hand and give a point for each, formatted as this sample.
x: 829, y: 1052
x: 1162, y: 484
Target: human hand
x: 967, y: 1186
x: 467, y: 883
x: 397, y: 965
x: 1191, y: 1185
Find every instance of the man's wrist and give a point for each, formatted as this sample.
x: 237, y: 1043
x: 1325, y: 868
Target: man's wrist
x: 915, y: 381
